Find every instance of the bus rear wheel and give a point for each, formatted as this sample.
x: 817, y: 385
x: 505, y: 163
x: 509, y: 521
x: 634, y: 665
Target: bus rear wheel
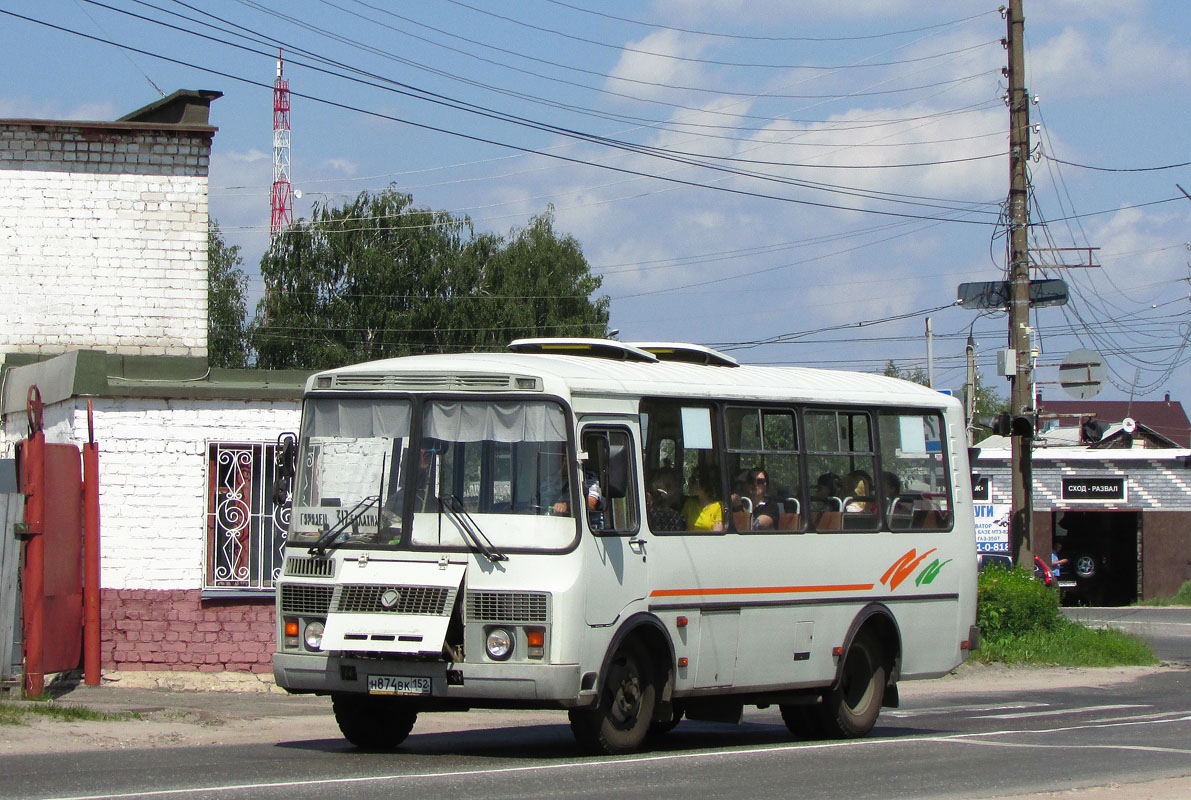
x: 621, y: 718
x: 850, y: 709
x: 373, y: 723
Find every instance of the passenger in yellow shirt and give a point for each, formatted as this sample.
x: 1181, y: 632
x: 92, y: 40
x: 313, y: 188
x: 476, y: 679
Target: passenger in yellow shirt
x: 702, y: 511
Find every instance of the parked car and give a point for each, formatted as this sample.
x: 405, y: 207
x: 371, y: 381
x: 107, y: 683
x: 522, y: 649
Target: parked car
x: 993, y: 560
x: 1005, y: 561
x: 1085, y: 579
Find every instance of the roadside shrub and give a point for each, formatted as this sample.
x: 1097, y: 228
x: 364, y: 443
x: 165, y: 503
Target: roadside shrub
x: 1009, y: 602
x: 1180, y: 598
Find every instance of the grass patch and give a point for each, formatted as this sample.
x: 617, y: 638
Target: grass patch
x: 1069, y: 644
x: 1020, y: 624
x: 17, y: 713
x: 1180, y: 598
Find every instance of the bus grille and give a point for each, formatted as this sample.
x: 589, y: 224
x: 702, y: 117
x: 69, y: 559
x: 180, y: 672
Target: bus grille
x: 410, y: 600
x: 299, y: 598
x: 310, y: 567
x: 506, y: 607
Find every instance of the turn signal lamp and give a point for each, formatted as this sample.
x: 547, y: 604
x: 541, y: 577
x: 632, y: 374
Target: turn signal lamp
x: 535, y: 642
x: 291, y: 633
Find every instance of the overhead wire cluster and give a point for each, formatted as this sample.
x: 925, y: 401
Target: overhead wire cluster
x: 654, y: 136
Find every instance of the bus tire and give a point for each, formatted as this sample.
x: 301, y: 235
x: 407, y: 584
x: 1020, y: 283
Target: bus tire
x: 849, y: 710
x: 801, y: 720
x: 621, y: 718
x: 373, y: 723
x: 663, y: 726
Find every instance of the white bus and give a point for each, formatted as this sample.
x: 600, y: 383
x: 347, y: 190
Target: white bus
x: 633, y: 533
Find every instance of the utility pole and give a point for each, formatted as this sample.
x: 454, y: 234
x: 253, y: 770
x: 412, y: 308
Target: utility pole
x: 1021, y: 391
x: 930, y: 355
x: 970, y: 390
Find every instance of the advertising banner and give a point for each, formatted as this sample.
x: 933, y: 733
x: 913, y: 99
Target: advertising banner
x: 992, y: 527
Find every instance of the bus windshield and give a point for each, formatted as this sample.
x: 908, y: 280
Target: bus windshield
x: 364, y: 480
x: 349, y: 471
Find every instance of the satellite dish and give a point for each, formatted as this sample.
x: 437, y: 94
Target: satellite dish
x: 1129, y: 425
x: 298, y: 193
x: 1082, y: 374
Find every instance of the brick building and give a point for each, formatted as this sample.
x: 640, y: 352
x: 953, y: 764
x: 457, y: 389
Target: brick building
x: 105, y: 231
x: 1119, y: 497
x: 103, y: 255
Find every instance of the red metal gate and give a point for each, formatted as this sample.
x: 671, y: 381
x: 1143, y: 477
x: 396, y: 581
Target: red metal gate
x: 52, y: 594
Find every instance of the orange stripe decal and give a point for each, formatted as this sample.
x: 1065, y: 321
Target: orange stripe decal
x: 841, y: 587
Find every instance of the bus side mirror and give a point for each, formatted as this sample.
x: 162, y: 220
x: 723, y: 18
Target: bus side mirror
x: 618, y: 471
x: 285, y: 467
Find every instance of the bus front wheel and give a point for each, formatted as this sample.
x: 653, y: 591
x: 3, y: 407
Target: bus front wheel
x: 373, y: 723
x: 850, y: 709
x: 621, y: 718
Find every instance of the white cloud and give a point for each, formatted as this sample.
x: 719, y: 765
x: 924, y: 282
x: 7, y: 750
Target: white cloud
x: 342, y: 166
x: 1075, y: 65
x: 637, y: 68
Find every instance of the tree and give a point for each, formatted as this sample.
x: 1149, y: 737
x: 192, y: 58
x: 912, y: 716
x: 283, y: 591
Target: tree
x: 918, y: 375
x: 227, y: 308
x: 988, y: 402
x: 378, y: 277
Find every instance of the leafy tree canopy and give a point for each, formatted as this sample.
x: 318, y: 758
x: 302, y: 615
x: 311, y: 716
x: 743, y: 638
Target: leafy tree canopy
x: 378, y: 277
x: 227, y: 332
x: 917, y: 375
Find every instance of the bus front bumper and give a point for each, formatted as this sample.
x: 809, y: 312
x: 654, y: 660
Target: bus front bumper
x: 472, y: 684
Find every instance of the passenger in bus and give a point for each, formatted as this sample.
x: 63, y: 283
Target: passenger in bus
x: 765, y: 510
x: 702, y: 511
x: 858, y: 493
x: 827, y: 491
x: 659, y: 511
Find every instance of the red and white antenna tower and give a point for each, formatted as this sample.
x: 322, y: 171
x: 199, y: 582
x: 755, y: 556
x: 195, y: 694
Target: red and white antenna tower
x: 282, y: 202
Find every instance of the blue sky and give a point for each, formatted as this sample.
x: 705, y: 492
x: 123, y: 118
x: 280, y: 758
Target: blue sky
x: 851, y: 154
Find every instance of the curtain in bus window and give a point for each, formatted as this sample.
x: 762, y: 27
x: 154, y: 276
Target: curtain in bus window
x: 495, y: 422
x: 353, y: 418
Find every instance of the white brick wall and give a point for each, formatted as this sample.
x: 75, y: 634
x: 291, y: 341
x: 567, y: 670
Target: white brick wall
x: 103, y: 244
x: 153, y: 476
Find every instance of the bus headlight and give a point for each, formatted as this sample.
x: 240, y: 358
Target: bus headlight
x: 314, y: 635
x: 499, y: 644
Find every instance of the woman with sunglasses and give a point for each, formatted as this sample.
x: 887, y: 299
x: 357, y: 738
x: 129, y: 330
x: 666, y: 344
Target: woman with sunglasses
x: 765, y: 511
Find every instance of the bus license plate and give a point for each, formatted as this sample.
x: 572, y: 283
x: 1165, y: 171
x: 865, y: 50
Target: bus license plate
x: 395, y: 684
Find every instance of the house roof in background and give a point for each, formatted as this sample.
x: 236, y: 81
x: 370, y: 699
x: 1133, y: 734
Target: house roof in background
x: 1165, y: 417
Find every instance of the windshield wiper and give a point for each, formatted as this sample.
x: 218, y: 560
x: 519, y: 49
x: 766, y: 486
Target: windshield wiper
x: 458, y: 514
x: 349, y: 520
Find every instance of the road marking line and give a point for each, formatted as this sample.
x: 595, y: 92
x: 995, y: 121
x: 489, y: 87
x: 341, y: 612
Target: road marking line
x: 1059, y: 711
x: 959, y: 738
x: 912, y: 712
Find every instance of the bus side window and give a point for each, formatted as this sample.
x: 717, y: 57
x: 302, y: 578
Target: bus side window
x: 610, y: 480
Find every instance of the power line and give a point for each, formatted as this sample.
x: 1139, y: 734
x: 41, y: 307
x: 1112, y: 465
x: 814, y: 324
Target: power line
x: 741, y: 37
x: 669, y: 56
x: 1115, y: 169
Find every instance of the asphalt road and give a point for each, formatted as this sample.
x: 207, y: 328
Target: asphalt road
x: 1166, y: 630
x: 992, y: 744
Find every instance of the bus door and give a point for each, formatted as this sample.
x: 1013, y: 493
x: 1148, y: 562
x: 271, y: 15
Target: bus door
x: 615, y: 539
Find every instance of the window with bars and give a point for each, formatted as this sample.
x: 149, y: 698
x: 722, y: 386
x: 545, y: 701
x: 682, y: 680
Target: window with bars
x: 245, y: 533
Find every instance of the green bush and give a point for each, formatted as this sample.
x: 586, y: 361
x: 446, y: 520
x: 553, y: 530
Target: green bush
x: 1009, y: 602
